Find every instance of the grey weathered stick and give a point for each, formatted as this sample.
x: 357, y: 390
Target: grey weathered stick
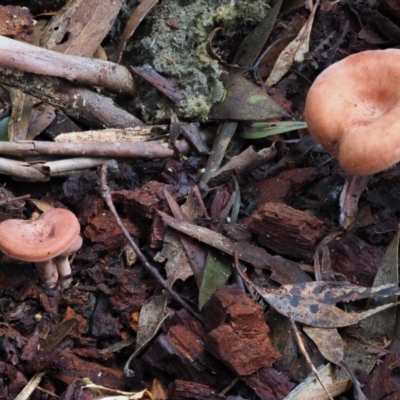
x: 92, y: 72
x: 21, y: 170
x: 89, y: 107
x: 70, y: 166
x: 142, y: 150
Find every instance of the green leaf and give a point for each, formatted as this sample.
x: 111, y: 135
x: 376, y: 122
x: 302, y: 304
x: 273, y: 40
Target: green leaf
x: 264, y: 129
x: 4, y: 129
x: 216, y: 273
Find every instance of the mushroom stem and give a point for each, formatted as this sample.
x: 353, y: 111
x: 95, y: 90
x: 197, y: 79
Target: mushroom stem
x: 47, y: 271
x: 354, y: 186
x: 63, y: 265
x: 64, y: 271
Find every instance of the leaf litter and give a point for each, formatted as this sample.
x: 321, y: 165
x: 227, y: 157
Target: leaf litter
x: 116, y: 313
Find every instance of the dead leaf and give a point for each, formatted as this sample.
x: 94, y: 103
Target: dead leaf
x: 253, y: 43
x: 177, y: 264
x: 140, y: 12
x: 312, y: 303
x: 310, y: 388
x: 58, y: 334
x: 80, y: 26
x: 294, y: 51
x: 245, y: 101
x: 151, y: 314
x: 216, y: 274
x: 328, y: 341
x: 283, y: 270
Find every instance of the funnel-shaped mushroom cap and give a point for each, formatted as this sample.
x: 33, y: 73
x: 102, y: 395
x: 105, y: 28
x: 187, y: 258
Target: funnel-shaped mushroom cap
x: 41, y: 239
x: 353, y: 111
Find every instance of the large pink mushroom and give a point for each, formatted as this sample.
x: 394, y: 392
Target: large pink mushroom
x: 353, y: 111
x: 47, y: 241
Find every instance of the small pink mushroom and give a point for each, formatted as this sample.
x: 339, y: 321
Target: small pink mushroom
x: 46, y: 241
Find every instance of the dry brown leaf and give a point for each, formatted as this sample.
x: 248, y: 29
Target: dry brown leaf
x: 328, y: 341
x: 312, y: 303
x: 294, y: 51
x: 140, y: 12
x: 310, y: 388
x: 80, y: 26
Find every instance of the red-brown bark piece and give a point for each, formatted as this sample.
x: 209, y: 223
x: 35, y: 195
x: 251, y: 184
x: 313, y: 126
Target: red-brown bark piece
x: 191, y: 390
x: 157, y: 233
x: 282, y: 187
x: 384, y: 381
x: 270, y: 384
x: 286, y: 230
x: 30, y: 349
x: 237, y: 332
x: 103, y: 229
x: 16, y: 23
x: 357, y: 260
x: 90, y: 207
x: 146, y: 199
x: 68, y: 368
x: 11, y: 381
x: 180, y: 352
x: 129, y: 292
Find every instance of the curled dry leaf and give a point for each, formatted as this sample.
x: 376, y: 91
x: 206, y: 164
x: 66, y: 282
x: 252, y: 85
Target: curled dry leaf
x: 313, y: 303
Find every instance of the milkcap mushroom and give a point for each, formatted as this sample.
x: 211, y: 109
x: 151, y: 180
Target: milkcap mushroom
x: 353, y: 111
x: 46, y: 241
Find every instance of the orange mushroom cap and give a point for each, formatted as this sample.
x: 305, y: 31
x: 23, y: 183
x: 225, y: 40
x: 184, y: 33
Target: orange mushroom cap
x: 41, y: 239
x: 353, y: 111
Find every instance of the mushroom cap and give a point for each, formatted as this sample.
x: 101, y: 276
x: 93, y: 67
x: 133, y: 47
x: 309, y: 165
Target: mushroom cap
x: 75, y: 246
x: 41, y: 239
x: 353, y: 111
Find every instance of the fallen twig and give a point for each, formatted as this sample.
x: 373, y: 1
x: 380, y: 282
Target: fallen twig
x: 92, y: 72
x: 89, y: 107
x: 70, y: 166
x: 142, y: 150
x: 21, y: 170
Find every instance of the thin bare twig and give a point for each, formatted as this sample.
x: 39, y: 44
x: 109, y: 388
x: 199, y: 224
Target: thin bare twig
x: 8, y: 201
x: 106, y: 195
x: 304, y: 351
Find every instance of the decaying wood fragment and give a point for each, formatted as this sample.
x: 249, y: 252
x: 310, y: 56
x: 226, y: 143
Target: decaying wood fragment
x: 287, y: 230
x: 129, y: 134
x: 237, y: 332
x: 180, y: 352
x: 69, y: 368
x: 270, y: 384
x: 355, y: 258
x: 282, y: 187
x: 181, y: 389
x: 19, y: 26
x: 85, y: 105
